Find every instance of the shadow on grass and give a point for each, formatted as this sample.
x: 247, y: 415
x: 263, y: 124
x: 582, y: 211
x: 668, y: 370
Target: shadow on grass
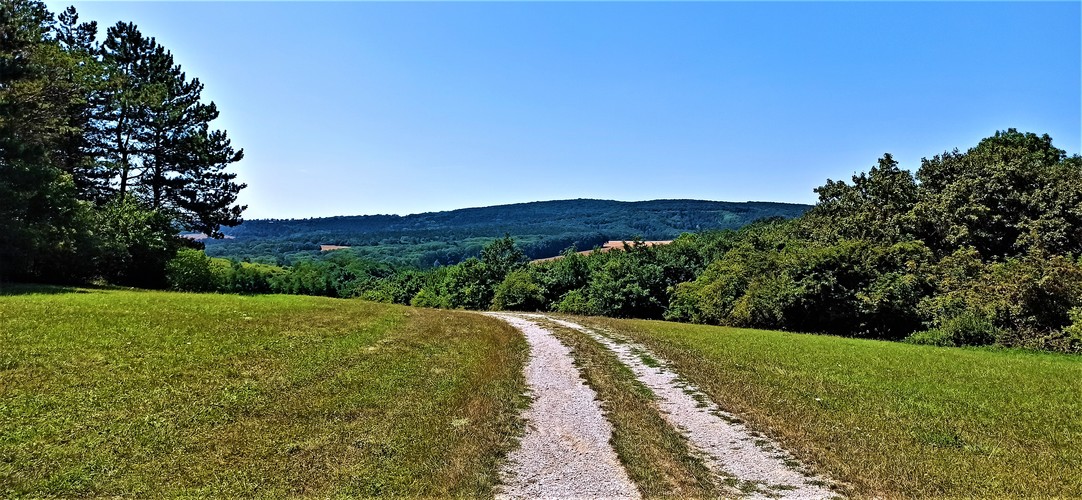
x: 33, y: 289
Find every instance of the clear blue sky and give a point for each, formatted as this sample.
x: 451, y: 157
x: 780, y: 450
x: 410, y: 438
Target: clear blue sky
x: 362, y: 108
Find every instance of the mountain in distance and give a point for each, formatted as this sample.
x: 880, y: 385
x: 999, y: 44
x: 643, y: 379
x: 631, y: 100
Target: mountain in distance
x: 542, y: 229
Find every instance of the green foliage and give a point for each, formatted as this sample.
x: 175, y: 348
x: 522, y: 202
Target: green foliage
x: 518, y: 292
x: 980, y: 251
x: 628, y: 283
x: 190, y: 271
x: 136, y: 243
x: 574, y: 302
x: 467, y: 286
x: 427, y: 297
x: 965, y: 329
x: 1028, y: 299
x: 1071, y: 338
x: 935, y: 336
x: 559, y: 277
x: 105, y: 152
x: 44, y: 230
x: 250, y: 278
x: 877, y: 206
x: 501, y: 257
x: 399, y: 288
x: 1011, y: 193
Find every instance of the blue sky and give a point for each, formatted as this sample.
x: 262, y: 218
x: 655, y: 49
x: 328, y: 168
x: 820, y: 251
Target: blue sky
x: 364, y: 108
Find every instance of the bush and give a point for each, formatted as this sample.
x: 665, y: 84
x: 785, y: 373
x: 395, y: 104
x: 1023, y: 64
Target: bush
x: 190, y: 271
x: 1028, y: 299
x: 136, y: 244
x: 518, y: 292
x: 428, y: 298
x: 574, y: 302
x: 1070, y: 339
x: 969, y: 329
x: 249, y: 278
x: 966, y: 329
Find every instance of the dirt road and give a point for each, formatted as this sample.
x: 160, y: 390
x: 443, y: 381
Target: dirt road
x: 566, y: 450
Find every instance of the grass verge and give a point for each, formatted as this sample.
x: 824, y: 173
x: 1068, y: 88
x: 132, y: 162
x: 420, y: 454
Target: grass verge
x: 656, y: 456
x: 892, y: 419
x: 125, y: 393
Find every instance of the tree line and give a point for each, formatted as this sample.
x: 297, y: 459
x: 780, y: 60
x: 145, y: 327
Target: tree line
x: 977, y: 247
x: 107, y: 152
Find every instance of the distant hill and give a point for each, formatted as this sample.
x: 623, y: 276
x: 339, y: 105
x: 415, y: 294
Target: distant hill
x: 542, y: 229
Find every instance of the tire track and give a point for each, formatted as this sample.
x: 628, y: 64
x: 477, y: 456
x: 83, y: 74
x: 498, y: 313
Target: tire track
x: 566, y: 450
x: 754, y: 464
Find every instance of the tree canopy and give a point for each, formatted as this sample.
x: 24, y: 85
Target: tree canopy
x: 95, y: 129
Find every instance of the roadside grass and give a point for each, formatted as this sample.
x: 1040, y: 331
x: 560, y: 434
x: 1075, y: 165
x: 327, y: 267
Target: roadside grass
x: 656, y: 456
x: 891, y: 419
x: 133, y: 393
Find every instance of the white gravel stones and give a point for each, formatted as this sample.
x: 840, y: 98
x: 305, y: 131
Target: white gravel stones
x: 565, y: 451
x: 759, y: 466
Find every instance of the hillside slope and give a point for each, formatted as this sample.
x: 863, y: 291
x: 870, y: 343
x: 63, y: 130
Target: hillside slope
x: 542, y: 228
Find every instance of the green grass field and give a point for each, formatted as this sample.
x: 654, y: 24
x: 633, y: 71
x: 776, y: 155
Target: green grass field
x: 893, y: 420
x: 130, y: 393
x: 140, y: 394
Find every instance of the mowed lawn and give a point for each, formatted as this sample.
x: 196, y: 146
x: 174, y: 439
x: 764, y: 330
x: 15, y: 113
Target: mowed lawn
x: 892, y: 419
x: 140, y: 394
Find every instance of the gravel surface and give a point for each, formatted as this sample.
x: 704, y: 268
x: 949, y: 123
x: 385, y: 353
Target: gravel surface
x: 761, y: 468
x: 565, y: 451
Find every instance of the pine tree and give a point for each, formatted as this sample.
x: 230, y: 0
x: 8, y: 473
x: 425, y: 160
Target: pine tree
x: 156, y: 132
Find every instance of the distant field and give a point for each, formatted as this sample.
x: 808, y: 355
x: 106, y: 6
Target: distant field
x: 110, y: 393
x: 893, y: 419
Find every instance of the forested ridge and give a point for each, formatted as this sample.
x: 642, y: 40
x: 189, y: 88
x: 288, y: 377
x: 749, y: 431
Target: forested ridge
x: 541, y: 229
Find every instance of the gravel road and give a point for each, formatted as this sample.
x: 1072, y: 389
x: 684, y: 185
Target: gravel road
x: 565, y: 451
x: 761, y: 468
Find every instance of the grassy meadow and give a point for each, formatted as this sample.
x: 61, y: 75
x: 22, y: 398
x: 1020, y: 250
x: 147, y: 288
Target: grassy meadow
x: 892, y: 419
x: 132, y: 393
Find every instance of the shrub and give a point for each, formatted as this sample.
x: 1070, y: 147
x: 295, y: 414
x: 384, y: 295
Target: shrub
x: 190, y: 271
x: 1070, y: 339
x: 136, y: 244
x: 1028, y: 299
x: 248, y: 278
x: 518, y: 292
x: 574, y: 302
x: 428, y: 298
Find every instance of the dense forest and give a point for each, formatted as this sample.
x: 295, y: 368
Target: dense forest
x: 106, y: 152
x: 973, y: 248
x: 541, y: 229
